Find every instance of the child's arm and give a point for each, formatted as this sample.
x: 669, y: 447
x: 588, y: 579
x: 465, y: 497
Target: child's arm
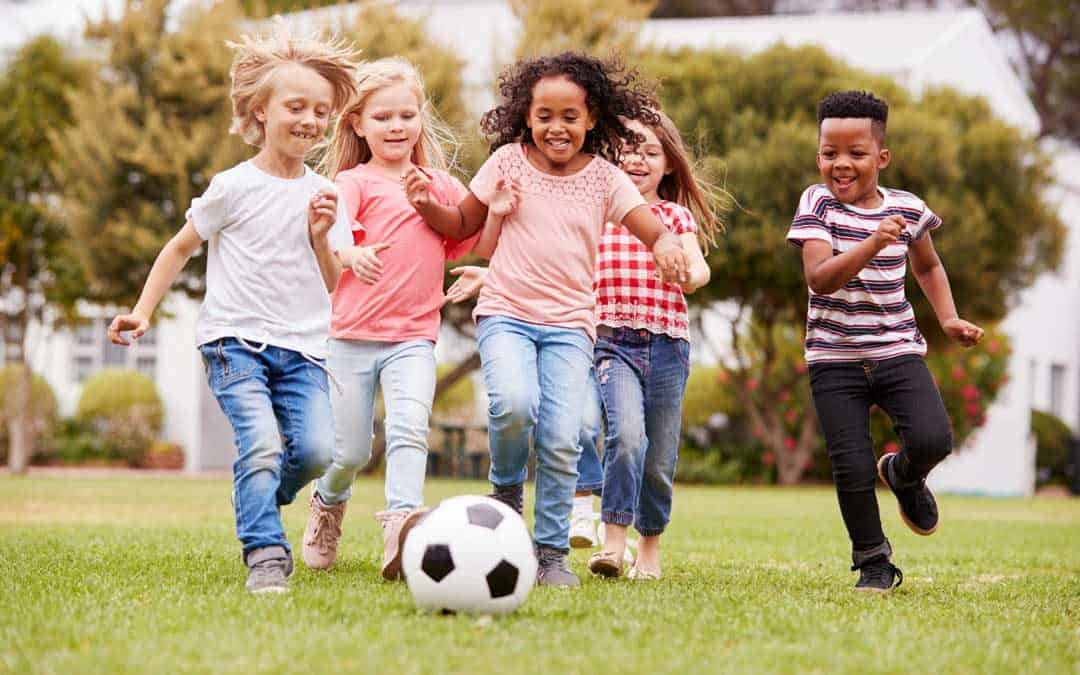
x: 699, y: 269
x: 322, y: 212
x: 666, y: 248
x: 502, y: 205
x: 166, y: 267
x: 827, y: 273
x: 470, y: 281
x: 453, y: 222
x: 930, y: 273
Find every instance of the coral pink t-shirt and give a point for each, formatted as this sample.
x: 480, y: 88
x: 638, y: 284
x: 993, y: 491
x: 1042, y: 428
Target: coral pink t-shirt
x: 404, y: 304
x: 542, y: 268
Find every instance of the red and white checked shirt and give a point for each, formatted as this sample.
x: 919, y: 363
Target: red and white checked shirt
x: 629, y: 294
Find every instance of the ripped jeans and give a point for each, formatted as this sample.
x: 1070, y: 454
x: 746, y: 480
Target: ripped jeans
x: 278, y: 402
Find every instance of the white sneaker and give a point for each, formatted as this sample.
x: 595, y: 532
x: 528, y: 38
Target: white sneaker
x: 583, y: 531
x: 628, y: 552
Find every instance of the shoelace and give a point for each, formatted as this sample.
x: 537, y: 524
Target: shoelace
x: 881, y: 572
x: 327, y: 530
x: 387, y: 517
x: 268, y: 569
x: 553, y: 560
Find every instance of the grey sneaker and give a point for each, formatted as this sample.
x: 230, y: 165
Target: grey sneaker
x: 268, y: 570
x: 322, y: 534
x: 511, y: 495
x: 552, y: 569
x: 396, y: 526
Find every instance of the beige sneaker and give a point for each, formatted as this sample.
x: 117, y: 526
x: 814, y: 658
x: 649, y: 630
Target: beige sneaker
x: 323, y: 533
x: 396, y: 526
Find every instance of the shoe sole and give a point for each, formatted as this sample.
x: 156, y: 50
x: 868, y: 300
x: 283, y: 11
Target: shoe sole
x: 879, y: 591
x: 912, y: 526
x: 276, y: 590
x: 581, y: 542
x: 604, y: 568
x: 392, y: 571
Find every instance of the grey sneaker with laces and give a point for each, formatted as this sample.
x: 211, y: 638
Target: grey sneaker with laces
x: 322, y: 534
x: 552, y: 569
x: 268, y: 570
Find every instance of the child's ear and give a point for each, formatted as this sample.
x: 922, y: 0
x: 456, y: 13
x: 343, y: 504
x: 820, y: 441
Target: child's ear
x: 354, y: 122
x: 260, y: 114
x: 884, y: 157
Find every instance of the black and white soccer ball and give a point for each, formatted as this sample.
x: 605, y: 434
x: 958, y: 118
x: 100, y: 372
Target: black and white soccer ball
x: 470, y: 554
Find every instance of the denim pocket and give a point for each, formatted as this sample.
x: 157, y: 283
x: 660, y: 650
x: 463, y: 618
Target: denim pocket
x: 682, y: 350
x: 318, y: 374
x: 226, y: 364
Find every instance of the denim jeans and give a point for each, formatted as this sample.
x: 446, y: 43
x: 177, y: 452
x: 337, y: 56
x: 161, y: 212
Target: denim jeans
x: 843, y: 393
x: 590, y: 467
x: 642, y: 378
x: 536, y: 378
x: 278, y: 403
x: 405, y: 372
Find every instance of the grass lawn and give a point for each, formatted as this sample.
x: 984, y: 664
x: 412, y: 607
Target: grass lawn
x: 112, y: 575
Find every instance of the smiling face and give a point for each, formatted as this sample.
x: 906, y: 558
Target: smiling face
x: 297, y: 111
x: 559, y: 119
x: 646, y: 164
x: 849, y: 159
x: 390, y: 122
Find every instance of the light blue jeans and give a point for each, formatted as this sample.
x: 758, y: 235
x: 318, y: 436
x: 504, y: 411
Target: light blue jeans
x: 537, y: 378
x: 405, y: 372
x: 590, y: 468
x: 278, y: 403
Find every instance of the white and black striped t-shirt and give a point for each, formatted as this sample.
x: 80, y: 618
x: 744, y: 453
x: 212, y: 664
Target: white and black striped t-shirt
x: 870, y: 317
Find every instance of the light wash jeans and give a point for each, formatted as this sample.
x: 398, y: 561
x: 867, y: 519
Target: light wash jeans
x: 590, y: 467
x: 537, y: 378
x: 278, y: 403
x: 405, y: 372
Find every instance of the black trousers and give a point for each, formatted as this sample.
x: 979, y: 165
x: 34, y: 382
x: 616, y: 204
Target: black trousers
x: 843, y: 395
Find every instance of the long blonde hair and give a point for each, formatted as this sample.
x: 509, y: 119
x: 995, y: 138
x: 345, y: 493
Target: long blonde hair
x: 257, y: 57
x: 346, y: 150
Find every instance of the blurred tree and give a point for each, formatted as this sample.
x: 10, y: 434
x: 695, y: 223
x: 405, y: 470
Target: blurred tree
x: 599, y: 27
x: 756, y: 116
x: 39, y: 276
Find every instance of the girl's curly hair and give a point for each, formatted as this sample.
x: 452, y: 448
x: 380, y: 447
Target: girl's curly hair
x: 612, y: 94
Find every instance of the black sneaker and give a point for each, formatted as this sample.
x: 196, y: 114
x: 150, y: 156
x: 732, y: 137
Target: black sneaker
x: 878, y: 575
x: 918, y: 508
x: 552, y: 569
x: 511, y: 495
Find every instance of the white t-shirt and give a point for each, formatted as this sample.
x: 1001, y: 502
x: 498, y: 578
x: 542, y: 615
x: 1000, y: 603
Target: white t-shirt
x: 262, y: 279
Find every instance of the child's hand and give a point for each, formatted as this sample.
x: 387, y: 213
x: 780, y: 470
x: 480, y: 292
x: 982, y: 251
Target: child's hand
x: 364, y: 261
x: 889, y: 231
x: 964, y: 332
x: 417, y: 187
x: 671, y: 259
x: 138, y: 325
x: 471, y: 280
x: 322, y: 212
x: 506, y: 198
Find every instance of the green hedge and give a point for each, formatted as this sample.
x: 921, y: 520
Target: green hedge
x: 122, y: 406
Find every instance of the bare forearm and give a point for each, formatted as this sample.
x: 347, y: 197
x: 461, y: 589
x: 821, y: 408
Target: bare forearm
x: 934, y: 283
x: 833, y: 273
x: 489, y: 237
x: 163, y: 273
x: 699, y: 276
x: 446, y: 220
x: 329, y: 265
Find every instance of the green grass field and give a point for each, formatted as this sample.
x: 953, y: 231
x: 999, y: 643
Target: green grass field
x: 115, y: 575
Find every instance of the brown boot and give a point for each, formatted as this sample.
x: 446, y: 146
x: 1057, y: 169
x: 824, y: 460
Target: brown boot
x: 323, y: 533
x: 396, y: 526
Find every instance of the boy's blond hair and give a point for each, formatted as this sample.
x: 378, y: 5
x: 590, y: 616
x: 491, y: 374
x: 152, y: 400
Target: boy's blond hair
x: 347, y: 150
x: 256, y: 59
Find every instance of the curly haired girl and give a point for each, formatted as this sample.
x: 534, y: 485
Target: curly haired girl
x: 556, y: 135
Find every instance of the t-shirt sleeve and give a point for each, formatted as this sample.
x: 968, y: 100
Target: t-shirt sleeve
x: 927, y: 221
x: 340, y: 235
x: 450, y: 192
x: 210, y: 212
x: 808, y: 222
x: 682, y: 221
x: 350, y: 197
x: 623, y: 198
x: 484, y: 182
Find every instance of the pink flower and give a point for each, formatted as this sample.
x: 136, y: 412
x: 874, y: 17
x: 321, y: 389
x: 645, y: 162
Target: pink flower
x: 809, y: 464
x: 791, y: 416
x: 993, y: 346
x: 756, y: 432
x: 891, y: 448
x: 801, y: 369
x: 785, y: 396
x: 970, y: 392
x: 958, y: 372
x: 752, y: 384
x: 768, y: 459
x: 724, y: 377
x: 972, y: 409
x: 789, y: 442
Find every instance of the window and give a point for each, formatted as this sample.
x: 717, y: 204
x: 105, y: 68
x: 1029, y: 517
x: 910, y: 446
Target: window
x: 86, y: 333
x: 147, y: 365
x: 84, y: 367
x: 1057, y: 389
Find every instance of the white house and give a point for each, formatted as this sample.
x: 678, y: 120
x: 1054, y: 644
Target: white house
x: 919, y: 49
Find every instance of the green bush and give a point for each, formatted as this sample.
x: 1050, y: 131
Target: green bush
x: 77, y: 442
x: 42, y: 407
x: 1052, y: 437
x: 124, y: 408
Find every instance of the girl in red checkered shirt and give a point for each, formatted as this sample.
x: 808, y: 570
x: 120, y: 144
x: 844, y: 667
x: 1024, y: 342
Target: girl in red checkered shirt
x: 642, y: 355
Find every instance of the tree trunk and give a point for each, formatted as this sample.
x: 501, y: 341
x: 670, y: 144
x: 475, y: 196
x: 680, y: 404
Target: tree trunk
x: 20, y: 438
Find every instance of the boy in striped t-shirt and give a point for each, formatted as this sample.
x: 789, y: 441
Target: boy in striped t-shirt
x: 863, y: 346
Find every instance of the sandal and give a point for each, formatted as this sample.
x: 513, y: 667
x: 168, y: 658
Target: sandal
x: 606, y: 564
x: 636, y: 574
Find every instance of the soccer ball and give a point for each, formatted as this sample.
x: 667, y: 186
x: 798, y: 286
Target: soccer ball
x: 470, y: 554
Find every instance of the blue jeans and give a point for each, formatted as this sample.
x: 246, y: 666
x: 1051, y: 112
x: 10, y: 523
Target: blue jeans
x: 642, y: 378
x: 590, y: 467
x: 536, y: 378
x: 405, y: 371
x: 278, y: 403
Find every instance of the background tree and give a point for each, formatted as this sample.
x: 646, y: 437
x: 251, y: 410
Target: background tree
x: 756, y: 116
x: 596, y: 26
x: 149, y: 130
x: 38, y: 274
